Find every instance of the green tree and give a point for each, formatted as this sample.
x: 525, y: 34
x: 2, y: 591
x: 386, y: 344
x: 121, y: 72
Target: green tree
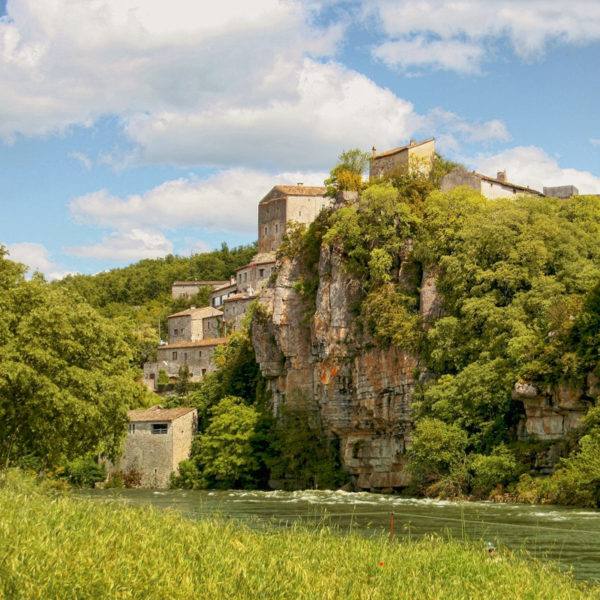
x: 347, y: 174
x: 65, y: 376
x: 223, y: 452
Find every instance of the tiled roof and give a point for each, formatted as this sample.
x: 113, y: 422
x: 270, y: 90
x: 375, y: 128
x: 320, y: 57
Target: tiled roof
x: 241, y: 296
x: 401, y: 149
x: 158, y: 413
x: 506, y: 183
x: 200, y: 282
x: 262, y: 258
x: 280, y: 191
x: 198, y: 313
x: 197, y: 343
x: 225, y: 286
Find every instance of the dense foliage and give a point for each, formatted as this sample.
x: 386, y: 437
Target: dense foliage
x: 66, y: 376
x: 519, y: 284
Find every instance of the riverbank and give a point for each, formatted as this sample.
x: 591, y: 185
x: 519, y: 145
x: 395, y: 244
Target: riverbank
x: 56, y: 546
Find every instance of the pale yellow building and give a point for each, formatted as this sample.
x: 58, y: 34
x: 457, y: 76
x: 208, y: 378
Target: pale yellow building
x: 414, y: 156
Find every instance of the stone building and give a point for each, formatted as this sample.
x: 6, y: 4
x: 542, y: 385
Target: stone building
x: 224, y: 291
x: 251, y: 277
x: 490, y: 187
x: 285, y: 203
x: 234, y: 310
x: 194, y: 324
x: 158, y: 440
x: 561, y: 191
x: 171, y: 357
x: 416, y: 155
x: 187, y: 289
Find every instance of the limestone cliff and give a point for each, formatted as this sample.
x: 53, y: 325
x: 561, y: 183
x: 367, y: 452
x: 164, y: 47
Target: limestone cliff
x: 326, y: 363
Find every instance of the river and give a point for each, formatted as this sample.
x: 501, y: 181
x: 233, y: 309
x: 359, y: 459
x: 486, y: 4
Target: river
x: 569, y: 536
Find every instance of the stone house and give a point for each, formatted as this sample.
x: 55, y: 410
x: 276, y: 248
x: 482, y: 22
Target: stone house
x: 490, y: 187
x: 194, y: 324
x: 285, y: 203
x: 170, y: 357
x: 251, y: 277
x: 416, y: 155
x: 187, y: 289
x: 158, y: 440
x: 224, y: 291
x: 561, y: 191
x: 234, y: 310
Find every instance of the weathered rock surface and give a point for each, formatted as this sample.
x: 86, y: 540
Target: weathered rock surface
x: 553, y: 412
x: 325, y: 363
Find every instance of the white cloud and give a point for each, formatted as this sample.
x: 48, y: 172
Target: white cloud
x: 595, y: 141
x: 330, y: 108
x: 37, y: 258
x: 528, y: 165
x: 70, y: 61
x: 126, y: 246
x: 226, y: 201
x: 450, y: 123
x: 81, y: 158
x: 458, y: 35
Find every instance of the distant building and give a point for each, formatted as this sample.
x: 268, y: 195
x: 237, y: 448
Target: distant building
x: 158, y: 440
x: 194, y: 324
x: 224, y: 291
x: 561, y: 191
x: 171, y: 357
x: 490, y: 187
x: 252, y: 277
x: 287, y: 203
x: 416, y: 155
x: 234, y: 310
x: 187, y: 289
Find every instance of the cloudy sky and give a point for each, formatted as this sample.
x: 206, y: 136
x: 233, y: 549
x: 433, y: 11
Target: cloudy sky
x: 139, y: 128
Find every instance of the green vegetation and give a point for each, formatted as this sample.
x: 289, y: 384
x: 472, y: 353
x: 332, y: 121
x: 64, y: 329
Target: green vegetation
x: 519, y: 281
x: 66, y: 375
x: 59, y: 547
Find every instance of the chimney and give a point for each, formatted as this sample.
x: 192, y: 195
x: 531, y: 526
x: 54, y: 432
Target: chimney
x: 501, y: 175
x: 412, y: 142
x: 374, y: 150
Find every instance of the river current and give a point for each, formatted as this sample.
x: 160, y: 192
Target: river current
x: 568, y: 536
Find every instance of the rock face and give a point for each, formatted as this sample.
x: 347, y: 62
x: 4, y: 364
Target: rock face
x: 553, y: 412
x: 324, y: 363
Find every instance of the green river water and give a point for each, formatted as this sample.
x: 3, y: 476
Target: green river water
x: 568, y: 536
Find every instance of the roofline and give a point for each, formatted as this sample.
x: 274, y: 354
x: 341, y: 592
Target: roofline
x: 401, y: 149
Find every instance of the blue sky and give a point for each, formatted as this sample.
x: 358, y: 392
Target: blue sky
x: 133, y: 128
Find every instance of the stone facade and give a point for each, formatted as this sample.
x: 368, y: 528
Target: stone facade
x: 187, y: 289
x: 253, y: 276
x: 489, y: 187
x: 158, y: 440
x: 561, y: 191
x: 218, y: 295
x: 284, y: 203
x: 416, y: 155
x: 170, y: 357
x: 189, y: 325
x: 234, y: 310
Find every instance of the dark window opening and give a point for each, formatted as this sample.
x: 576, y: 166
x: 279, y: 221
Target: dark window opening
x: 159, y: 428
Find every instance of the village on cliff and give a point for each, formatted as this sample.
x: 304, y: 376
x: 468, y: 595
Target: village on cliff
x: 195, y: 333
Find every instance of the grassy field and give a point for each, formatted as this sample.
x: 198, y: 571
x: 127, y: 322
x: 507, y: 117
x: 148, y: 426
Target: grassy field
x: 54, y: 546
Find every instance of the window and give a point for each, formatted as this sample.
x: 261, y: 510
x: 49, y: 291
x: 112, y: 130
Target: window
x: 159, y: 428
x: 175, y: 331
x: 300, y: 213
x: 245, y: 276
x: 266, y: 230
x: 203, y: 372
x: 200, y: 354
x: 174, y: 355
x: 131, y: 428
x: 261, y: 272
x: 276, y: 228
x: 185, y: 357
x: 152, y: 375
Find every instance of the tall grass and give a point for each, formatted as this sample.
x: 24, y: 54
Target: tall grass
x: 53, y: 546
